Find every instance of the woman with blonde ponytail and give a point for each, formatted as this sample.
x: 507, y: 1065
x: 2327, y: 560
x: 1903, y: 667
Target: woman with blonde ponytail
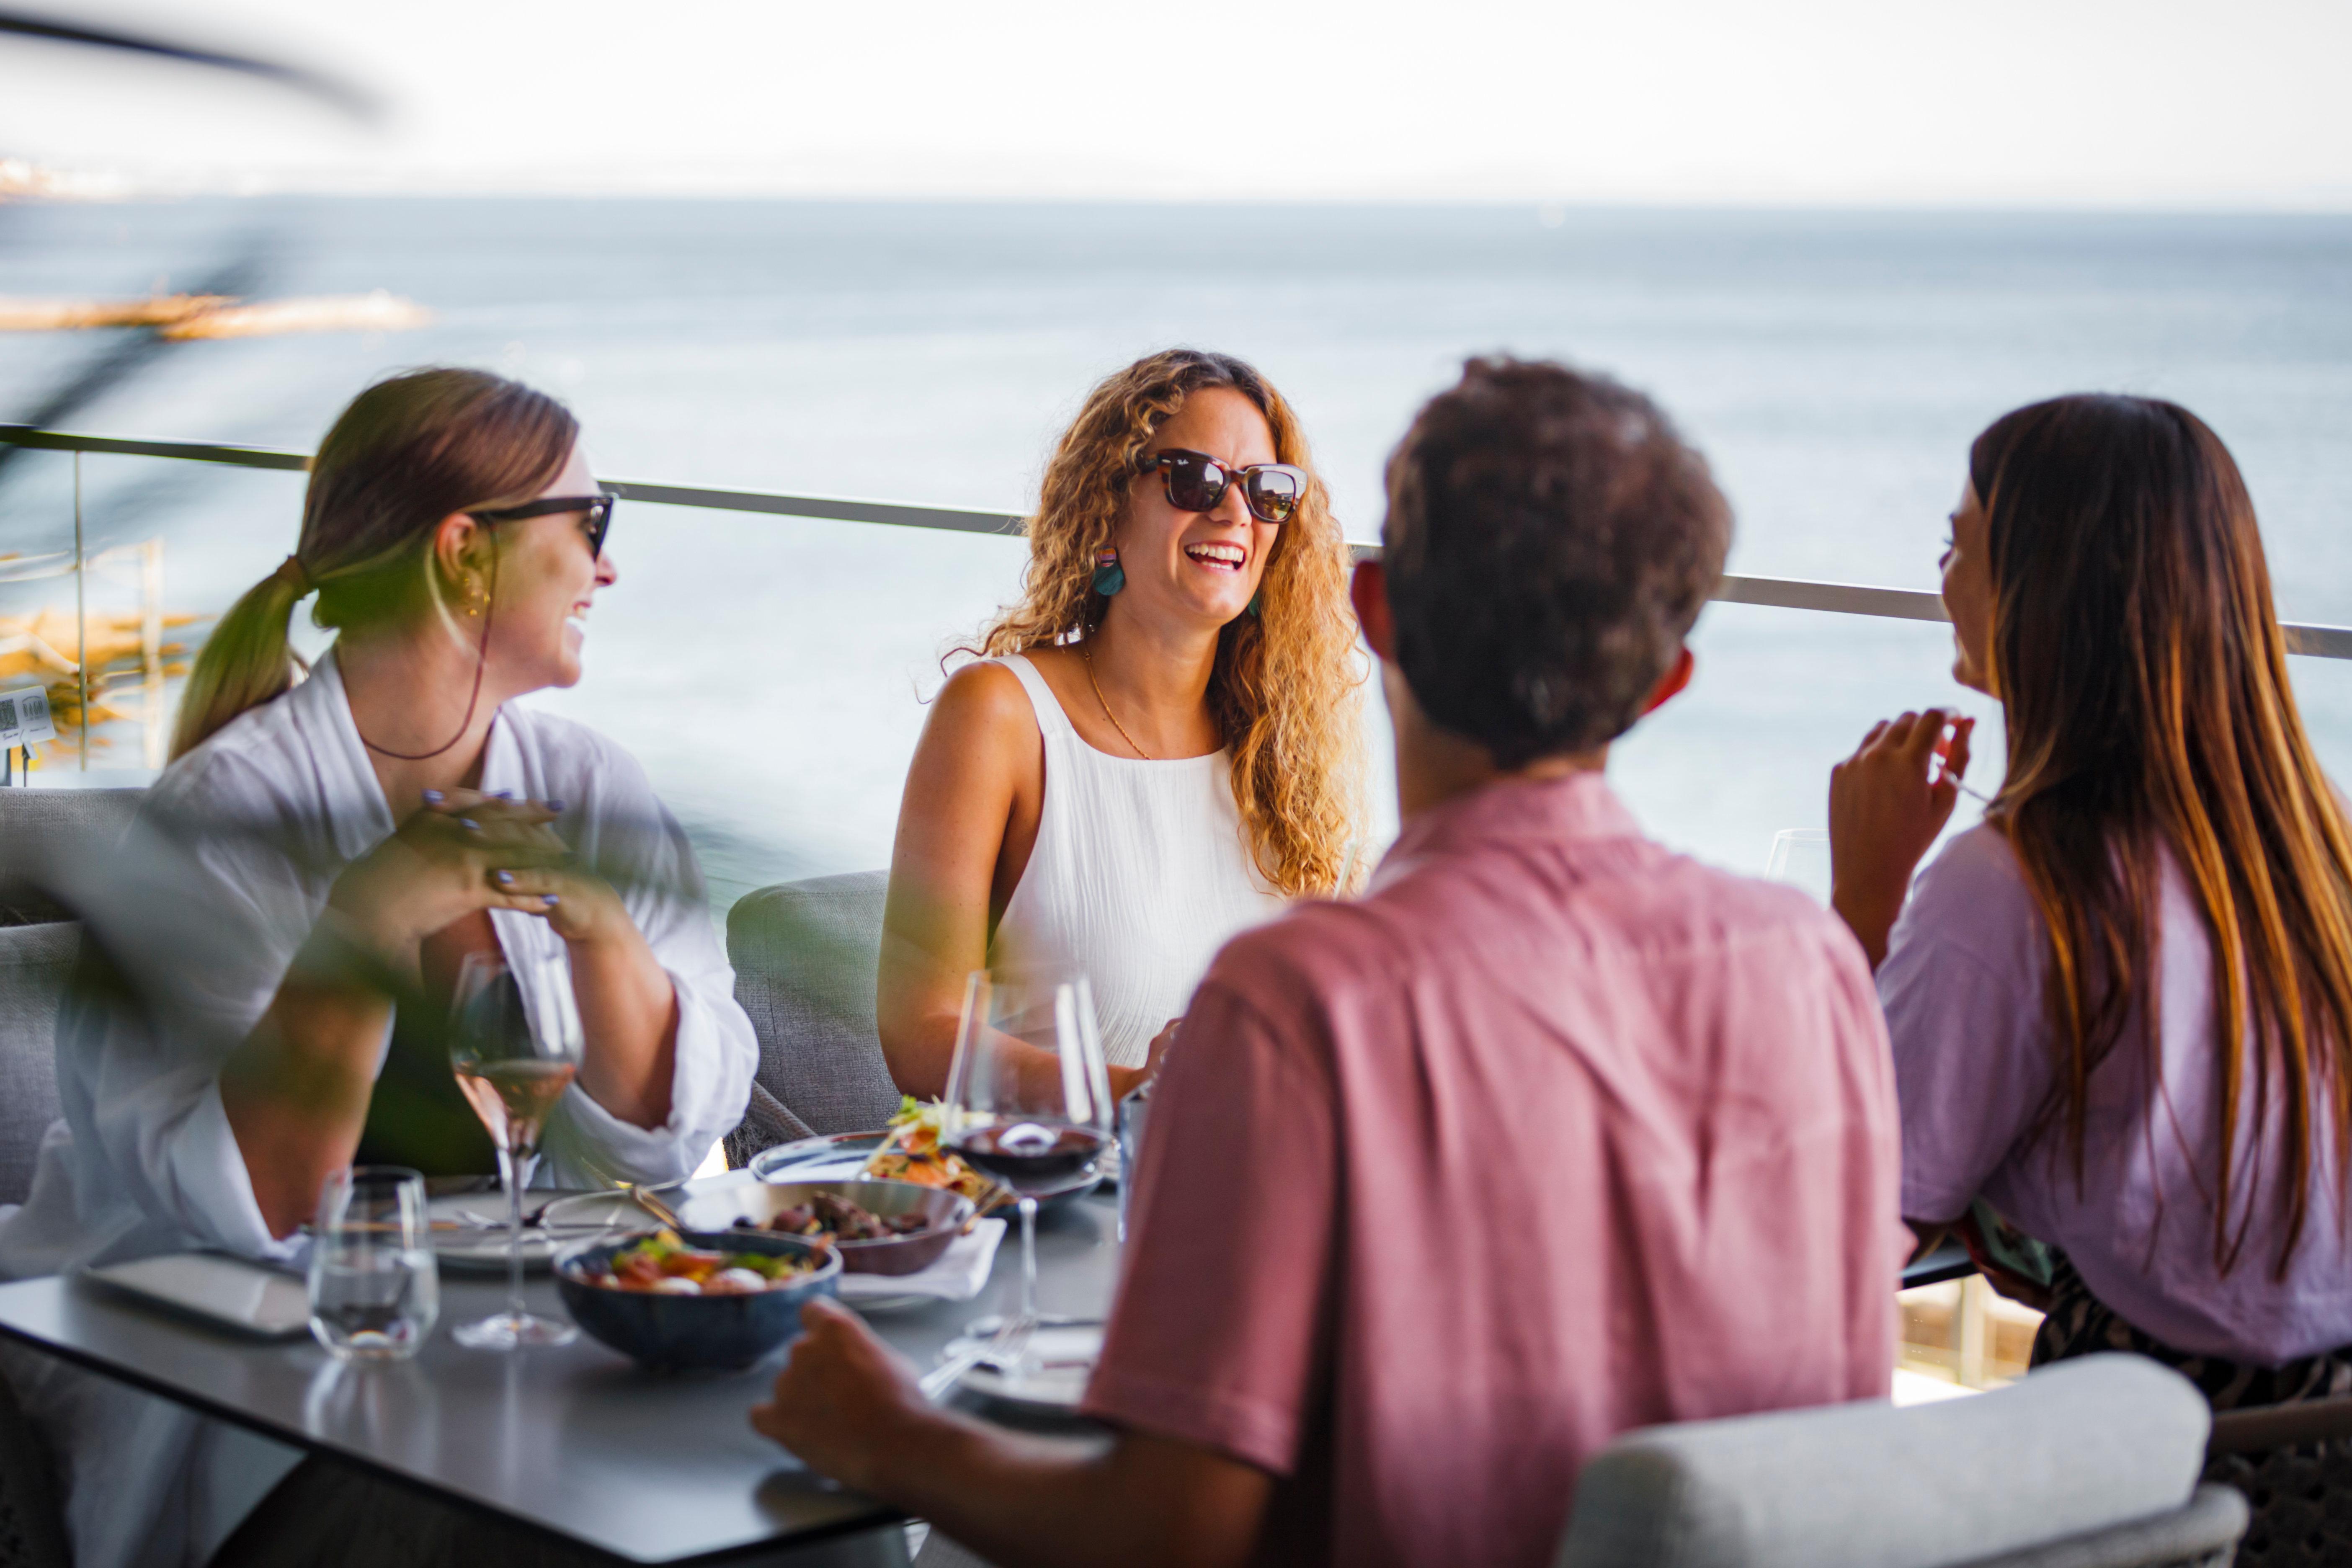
x: 328, y: 842
x: 1160, y: 746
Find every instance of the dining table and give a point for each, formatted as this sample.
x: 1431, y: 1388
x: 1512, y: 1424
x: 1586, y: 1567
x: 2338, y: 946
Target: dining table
x: 574, y: 1441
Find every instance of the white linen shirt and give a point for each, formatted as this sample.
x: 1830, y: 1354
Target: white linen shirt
x: 248, y: 834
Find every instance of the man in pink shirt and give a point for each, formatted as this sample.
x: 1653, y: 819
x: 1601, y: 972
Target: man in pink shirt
x: 1551, y: 1134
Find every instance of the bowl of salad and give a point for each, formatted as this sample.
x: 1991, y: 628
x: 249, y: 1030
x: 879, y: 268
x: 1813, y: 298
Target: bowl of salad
x: 695, y: 1300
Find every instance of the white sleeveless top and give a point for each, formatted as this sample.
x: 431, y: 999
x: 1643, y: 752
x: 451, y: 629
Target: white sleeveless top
x: 1139, y: 875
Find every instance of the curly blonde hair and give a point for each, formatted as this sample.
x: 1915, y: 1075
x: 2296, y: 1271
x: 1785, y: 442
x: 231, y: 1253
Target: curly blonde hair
x: 1285, y: 691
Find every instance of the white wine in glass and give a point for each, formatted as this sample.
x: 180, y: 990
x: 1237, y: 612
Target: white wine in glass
x: 514, y: 1054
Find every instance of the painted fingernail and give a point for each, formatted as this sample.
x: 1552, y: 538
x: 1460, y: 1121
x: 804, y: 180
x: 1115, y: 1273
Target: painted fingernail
x: 469, y: 825
x: 502, y: 794
x: 505, y: 879
x: 556, y: 806
x: 434, y: 797
x: 551, y: 900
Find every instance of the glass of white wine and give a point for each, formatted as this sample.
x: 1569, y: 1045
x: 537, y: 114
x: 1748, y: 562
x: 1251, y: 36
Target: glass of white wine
x: 515, y: 1053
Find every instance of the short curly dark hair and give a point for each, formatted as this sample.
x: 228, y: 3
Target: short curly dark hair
x: 1550, y: 539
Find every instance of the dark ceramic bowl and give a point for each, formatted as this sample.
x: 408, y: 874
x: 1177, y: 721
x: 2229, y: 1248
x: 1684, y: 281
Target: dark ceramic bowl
x: 944, y: 1214
x: 694, y: 1333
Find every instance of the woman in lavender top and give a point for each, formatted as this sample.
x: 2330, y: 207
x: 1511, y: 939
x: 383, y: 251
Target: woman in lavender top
x: 2120, y: 1007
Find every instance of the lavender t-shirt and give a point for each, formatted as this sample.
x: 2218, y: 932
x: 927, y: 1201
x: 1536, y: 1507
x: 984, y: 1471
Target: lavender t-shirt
x: 1962, y: 986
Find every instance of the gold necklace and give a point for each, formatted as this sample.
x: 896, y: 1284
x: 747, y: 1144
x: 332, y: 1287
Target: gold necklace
x: 1087, y: 654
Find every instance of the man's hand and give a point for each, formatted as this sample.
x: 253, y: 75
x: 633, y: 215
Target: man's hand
x: 1887, y: 802
x: 844, y: 1404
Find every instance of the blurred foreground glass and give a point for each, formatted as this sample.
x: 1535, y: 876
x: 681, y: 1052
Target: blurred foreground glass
x: 1800, y: 858
x: 375, y: 1289
x: 514, y: 1060
x: 1038, y: 1124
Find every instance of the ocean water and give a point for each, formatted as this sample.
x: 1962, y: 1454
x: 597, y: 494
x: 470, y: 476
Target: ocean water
x: 773, y: 672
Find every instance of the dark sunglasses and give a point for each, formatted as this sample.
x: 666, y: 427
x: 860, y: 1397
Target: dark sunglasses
x: 599, y: 509
x: 1196, y: 482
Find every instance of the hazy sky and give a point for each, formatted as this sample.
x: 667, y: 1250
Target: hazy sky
x: 2167, y: 102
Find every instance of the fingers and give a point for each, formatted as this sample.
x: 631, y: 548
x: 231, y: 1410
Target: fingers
x: 541, y: 881
x: 818, y: 1311
x: 502, y: 808
x: 1923, y: 732
x: 1956, y: 755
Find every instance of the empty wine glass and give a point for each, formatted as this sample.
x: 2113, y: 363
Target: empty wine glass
x: 514, y: 1051
x: 1028, y: 1098
x: 375, y: 1291
x: 1800, y: 858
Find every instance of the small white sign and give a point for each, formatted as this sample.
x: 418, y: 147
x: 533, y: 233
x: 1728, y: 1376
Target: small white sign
x: 24, y: 717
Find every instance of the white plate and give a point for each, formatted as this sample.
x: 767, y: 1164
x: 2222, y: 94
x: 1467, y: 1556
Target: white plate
x: 482, y: 1249
x: 1053, y: 1378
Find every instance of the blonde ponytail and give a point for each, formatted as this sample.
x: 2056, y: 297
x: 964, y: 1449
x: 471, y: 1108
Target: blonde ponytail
x: 409, y: 451
x: 247, y: 661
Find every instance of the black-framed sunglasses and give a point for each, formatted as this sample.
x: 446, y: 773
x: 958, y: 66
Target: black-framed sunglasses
x: 599, y: 509
x: 1196, y: 482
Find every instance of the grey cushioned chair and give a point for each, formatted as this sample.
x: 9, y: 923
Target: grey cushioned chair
x: 807, y: 957
x: 36, y: 962
x: 40, y: 827
x: 2090, y: 1464
x: 2294, y: 1463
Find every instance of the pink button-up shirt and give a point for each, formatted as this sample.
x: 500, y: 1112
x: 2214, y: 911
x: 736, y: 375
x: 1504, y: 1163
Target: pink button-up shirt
x: 1553, y: 1134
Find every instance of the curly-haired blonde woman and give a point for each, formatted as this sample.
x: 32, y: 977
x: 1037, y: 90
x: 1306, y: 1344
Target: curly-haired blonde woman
x: 1161, y: 744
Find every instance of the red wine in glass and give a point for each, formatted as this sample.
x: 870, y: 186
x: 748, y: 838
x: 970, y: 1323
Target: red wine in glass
x: 1028, y: 1098
x: 1035, y: 1159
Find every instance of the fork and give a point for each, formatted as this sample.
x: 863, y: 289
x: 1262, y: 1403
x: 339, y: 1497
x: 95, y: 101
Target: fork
x: 1006, y: 1352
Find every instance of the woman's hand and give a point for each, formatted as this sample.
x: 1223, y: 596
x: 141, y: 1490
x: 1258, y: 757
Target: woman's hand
x: 1125, y: 1082
x: 442, y: 865
x: 1887, y: 802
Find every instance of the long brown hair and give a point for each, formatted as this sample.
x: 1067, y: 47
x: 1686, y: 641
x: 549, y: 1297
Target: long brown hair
x: 409, y: 451
x: 2138, y: 655
x: 1286, y: 688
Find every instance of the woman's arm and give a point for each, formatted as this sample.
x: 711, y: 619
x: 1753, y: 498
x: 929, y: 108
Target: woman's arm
x: 966, y: 825
x: 295, y: 1090
x: 628, y: 1005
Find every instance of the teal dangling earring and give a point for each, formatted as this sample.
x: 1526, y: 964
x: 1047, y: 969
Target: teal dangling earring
x: 1253, y: 603
x: 1109, y: 575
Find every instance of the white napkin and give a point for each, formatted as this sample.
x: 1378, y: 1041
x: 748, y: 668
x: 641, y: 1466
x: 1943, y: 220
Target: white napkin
x: 956, y: 1275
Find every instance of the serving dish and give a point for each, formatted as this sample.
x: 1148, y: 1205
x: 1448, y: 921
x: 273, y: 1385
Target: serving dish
x: 694, y: 1333
x: 841, y: 1156
x: 747, y: 1209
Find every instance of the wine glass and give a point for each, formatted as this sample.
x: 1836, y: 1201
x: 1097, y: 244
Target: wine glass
x: 514, y: 1052
x: 1028, y: 1098
x: 1800, y: 858
x: 375, y: 1289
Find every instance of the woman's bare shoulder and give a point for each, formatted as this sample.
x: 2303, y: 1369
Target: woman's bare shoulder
x: 983, y: 707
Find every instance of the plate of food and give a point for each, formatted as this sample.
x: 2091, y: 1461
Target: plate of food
x: 910, y: 1148
x: 695, y: 1301
x: 469, y: 1229
x: 878, y: 1227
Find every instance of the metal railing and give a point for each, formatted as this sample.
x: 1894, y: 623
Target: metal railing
x: 1782, y: 593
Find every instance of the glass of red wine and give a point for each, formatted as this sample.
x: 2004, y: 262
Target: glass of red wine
x: 1028, y: 1099
x: 514, y: 1050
